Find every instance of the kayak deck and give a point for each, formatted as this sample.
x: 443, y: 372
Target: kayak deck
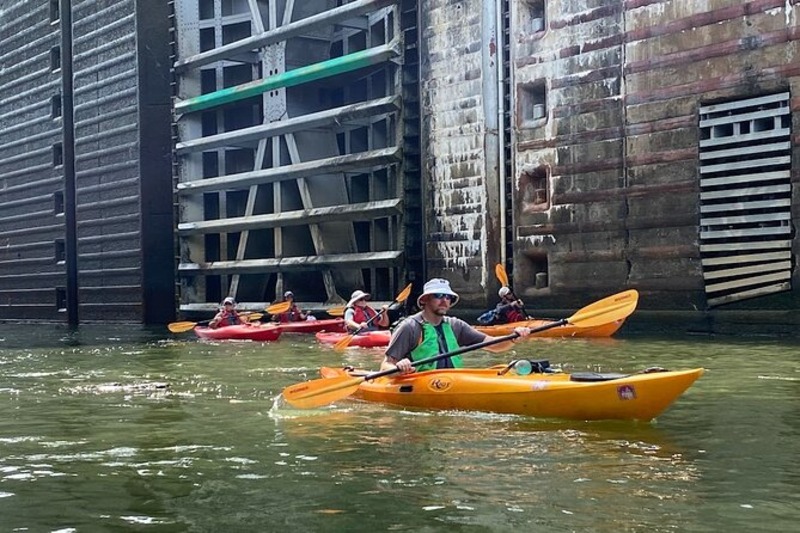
x: 367, y: 339
x: 313, y: 326
x: 251, y: 332
x: 641, y: 396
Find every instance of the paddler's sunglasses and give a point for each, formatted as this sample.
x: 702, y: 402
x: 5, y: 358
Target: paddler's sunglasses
x: 443, y: 296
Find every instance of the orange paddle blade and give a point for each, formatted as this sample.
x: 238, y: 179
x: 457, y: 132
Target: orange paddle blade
x: 344, y: 343
x: 320, y: 392
x: 614, y: 307
x: 336, y: 311
x: 278, y: 308
x: 404, y: 294
x: 502, y: 275
x: 180, y: 327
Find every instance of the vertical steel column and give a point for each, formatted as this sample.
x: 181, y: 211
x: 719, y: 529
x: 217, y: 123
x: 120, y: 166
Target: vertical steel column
x: 68, y: 133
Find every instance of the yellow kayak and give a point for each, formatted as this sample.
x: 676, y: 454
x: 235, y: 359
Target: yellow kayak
x: 567, y: 330
x: 579, y: 396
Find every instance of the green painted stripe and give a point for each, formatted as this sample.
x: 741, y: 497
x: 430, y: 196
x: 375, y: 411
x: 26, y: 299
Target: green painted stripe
x: 324, y: 69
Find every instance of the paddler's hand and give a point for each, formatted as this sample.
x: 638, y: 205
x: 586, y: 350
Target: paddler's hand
x: 522, y: 331
x: 404, y: 366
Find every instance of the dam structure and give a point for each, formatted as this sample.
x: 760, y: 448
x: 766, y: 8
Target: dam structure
x: 156, y: 157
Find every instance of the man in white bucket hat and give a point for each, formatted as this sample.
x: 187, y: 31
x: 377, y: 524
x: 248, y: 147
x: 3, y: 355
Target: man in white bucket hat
x: 358, y: 314
x: 431, y: 332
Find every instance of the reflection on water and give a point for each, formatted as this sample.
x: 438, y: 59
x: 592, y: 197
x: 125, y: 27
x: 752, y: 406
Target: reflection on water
x: 105, y: 429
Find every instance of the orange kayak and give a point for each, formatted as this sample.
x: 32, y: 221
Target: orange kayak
x: 578, y: 396
x: 250, y: 332
x: 567, y: 330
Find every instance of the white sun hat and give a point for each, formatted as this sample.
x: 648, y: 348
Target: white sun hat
x: 356, y: 296
x: 503, y: 292
x: 437, y: 286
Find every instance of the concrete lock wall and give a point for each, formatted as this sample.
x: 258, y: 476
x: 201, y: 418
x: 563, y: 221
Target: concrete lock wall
x: 589, y: 146
x: 608, y: 103
x: 86, y: 220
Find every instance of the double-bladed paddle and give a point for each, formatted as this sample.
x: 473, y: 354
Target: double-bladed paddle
x: 319, y: 392
x: 180, y: 327
x: 186, y: 325
x: 401, y: 297
x: 279, y: 308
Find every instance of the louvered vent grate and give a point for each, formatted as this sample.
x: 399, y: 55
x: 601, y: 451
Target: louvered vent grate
x: 745, y: 198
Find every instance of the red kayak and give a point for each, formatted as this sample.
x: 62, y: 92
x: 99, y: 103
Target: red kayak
x: 239, y: 332
x: 368, y: 339
x: 313, y: 326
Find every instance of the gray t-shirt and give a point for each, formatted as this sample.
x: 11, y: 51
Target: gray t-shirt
x: 407, y: 335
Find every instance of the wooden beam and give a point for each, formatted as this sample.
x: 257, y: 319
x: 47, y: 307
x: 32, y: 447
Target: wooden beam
x: 283, y: 264
x: 283, y: 33
x: 338, y: 115
x: 343, y: 163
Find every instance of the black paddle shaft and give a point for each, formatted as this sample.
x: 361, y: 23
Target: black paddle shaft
x: 465, y: 349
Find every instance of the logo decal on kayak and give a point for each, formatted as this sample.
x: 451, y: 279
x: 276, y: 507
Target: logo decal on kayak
x: 440, y: 384
x: 626, y: 392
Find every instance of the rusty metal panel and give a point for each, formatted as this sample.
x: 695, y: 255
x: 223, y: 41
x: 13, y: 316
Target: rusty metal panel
x: 606, y: 190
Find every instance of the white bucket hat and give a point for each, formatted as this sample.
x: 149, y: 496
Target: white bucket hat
x: 356, y: 296
x: 503, y: 292
x: 437, y: 286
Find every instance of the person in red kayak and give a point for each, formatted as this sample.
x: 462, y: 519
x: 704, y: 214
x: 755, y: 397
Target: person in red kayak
x: 358, y: 313
x: 294, y: 314
x: 431, y: 332
x: 227, y: 316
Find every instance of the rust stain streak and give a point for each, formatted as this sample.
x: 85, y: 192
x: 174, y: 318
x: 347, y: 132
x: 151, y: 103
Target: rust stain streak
x: 703, y: 19
x: 722, y: 82
x: 716, y: 50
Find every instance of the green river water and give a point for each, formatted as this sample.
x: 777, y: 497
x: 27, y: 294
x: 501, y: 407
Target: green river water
x: 215, y: 451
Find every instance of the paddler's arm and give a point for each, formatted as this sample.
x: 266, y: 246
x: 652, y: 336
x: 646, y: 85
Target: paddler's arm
x: 404, y: 340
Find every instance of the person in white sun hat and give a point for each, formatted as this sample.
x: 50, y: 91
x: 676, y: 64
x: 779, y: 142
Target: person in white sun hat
x: 358, y: 313
x: 431, y: 332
